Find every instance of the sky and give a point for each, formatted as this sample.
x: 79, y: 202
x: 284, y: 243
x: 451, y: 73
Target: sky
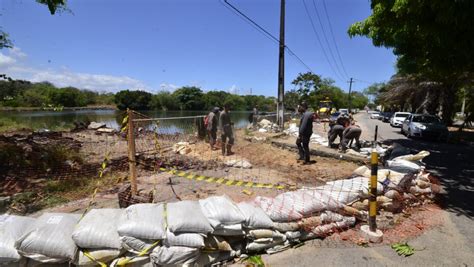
x: 153, y: 45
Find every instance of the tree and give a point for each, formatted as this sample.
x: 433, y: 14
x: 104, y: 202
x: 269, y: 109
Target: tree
x: 292, y: 100
x: 189, y: 98
x: 214, y: 99
x: 164, y: 101
x: 306, y: 83
x: 236, y: 102
x: 136, y: 100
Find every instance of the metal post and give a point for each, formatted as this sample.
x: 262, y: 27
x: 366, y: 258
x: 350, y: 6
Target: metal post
x: 131, y: 153
x: 374, y: 157
x: 281, y: 69
x: 350, y: 100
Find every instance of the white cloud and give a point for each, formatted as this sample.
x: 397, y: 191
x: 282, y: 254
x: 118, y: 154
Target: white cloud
x: 14, y: 67
x: 168, y: 87
x: 17, y: 53
x: 6, y: 61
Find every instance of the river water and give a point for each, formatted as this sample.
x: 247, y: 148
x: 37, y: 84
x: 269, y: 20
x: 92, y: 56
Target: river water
x: 112, y: 118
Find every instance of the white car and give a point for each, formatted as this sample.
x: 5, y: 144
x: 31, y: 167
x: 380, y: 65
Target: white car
x: 375, y: 115
x: 398, y: 118
x: 344, y: 110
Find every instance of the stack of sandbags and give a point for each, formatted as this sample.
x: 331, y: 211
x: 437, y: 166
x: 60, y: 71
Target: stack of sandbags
x: 382, y: 174
x: 187, y: 227
x: 50, y: 239
x: 223, y: 215
x: 12, y: 228
x: 97, y: 238
x: 294, y: 205
x: 262, y: 239
x: 142, y: 226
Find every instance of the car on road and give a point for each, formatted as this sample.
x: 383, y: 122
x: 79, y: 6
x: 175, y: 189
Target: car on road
x: 344, y: 110
x: 334, y: 116
x: 375, y: 115
x: 385, y: 116
x: 398, y: 118
x: 425, y: 126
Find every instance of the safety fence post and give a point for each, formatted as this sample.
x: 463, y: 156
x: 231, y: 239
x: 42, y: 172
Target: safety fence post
x: 373, y: 185
x: 131, y: 153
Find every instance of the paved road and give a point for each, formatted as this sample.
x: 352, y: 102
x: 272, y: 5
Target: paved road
x: 449, y: 245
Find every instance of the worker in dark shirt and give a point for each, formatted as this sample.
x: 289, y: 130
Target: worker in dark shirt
x: 338, y: 128
x: 305, y: 132
x: 351, y: 132
x: 212, y: 123
x: 227, y: 135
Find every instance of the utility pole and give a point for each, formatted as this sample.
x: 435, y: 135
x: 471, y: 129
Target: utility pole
x: 281, y: 69
x: 350, y: 88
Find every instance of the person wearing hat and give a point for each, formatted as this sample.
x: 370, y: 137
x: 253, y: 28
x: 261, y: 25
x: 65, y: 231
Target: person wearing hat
x: 305, y: 132
x: 227, y: 135
x: 212, y: 123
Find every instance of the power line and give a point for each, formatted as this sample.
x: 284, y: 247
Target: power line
x: 320, y: 43
x: 326, y: 39
x: 263, y: 31
x: 333, y: 38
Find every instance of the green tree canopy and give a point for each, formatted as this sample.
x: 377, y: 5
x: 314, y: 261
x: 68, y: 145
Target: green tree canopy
x: 189, y: 98
x: 306, y: 83
x: 136, y: 100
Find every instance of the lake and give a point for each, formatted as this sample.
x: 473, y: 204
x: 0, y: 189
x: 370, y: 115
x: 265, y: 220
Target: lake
x: 112, y: 118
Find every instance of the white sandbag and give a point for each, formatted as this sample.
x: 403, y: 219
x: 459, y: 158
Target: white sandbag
x: 50, y: 240
x: 382, y: 174
x: 98, y: 229
x: 174, y: 255
x: 220, y: 210
x: 264, y: 233
x: 229, y: 230
x: 255, y: 217
x: 192, y: 240
x: 403, y: 166
x: 210, y: 258
x: 410, y: 157
x: 277, y: 210
x: 415, y: 190
x: 286, y: 226
x: 12, y: 227
x: 137, y: 246
x: 212, y: 242
x: 101, y: 255
x: 187, y: 217
x: 346, y: 190
x: 145, y: 221
x: 259, y: 246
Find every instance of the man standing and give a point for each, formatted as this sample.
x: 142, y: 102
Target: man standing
x: 227, y: 136
x: 255, y: 116
x: 305, y: 132
x: 212, y: 122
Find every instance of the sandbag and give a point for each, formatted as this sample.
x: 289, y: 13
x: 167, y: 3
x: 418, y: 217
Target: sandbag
x: 101, y: 255
x: 382, y: 174
x: 133, y: 261
x: 174, y: 255
x: 187, y: 217
x: 210, y: 258
x: 12, y: 227
x: 410, y: 157
x: 255, y: 217
x: 50, y: 240
x: 403, y: 166
x: 257, y: 245
x: 137, y: 246
x: 98, y: 229
x: 193, y: 240
x: 212, y: 242
x: 346, y: 190
x: 286, y: 226
x: 145, y: 221
x: 277, y: 210
x: 229, y: 230
x: 220, y: 210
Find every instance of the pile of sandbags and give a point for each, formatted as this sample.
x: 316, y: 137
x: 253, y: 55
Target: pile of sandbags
x: 97, y: 238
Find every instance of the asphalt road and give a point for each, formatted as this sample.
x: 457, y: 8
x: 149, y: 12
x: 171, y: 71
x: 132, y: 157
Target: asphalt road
x: 449, y: 245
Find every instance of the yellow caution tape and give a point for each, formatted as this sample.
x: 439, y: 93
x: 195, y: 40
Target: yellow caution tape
x: 123, y: 262
x: 225, y: 181
x: 88, y: 255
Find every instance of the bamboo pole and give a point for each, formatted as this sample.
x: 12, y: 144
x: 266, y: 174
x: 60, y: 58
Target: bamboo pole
x: 131, y: 153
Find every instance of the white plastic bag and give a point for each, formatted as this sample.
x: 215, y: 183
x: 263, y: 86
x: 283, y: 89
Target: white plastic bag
x: 187, y: 217
x: 11, y: 228
x: 174, y: 255
x: 255, y: 217
x: 98, y: 229
x: 220, y: 210
x: 50, y: 240
x: 145, y: 221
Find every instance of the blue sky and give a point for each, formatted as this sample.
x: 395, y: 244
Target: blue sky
x: 163, y: 44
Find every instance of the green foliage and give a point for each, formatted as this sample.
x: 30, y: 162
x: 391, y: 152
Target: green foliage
x: 54, y: 5
x: 189, y: 98
x: 164, y: 101
x: 292, y: 100
x: 256, y: 261
x: 306, y: 83
x: 236, y: 102
x: 403, y: 249
x: 214, y: 99
x: 136, y: 100
x: 5, y: 41
x: 7, y: 125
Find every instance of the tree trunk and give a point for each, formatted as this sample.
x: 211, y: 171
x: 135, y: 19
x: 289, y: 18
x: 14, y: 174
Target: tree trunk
x: 448, y: 100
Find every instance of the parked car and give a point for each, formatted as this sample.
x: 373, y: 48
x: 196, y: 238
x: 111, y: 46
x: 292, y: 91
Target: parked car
x: 426, y: 126
x: 334, y: 116
x: 398, y: 118
x: 375, y: 115
x: 344, y: 110
x: 385, y: 117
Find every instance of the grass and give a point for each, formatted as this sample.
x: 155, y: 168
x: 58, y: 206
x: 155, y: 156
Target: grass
x: 9, y: 125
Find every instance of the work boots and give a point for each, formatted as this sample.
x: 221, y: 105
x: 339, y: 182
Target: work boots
x: 229, y: 150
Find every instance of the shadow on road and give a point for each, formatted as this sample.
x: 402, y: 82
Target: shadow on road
x: 454, y: 164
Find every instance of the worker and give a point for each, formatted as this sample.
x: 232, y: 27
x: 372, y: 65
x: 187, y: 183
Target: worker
x: 227, y: 135
x: 211, y: 127
x: 337, y: 129
x: 352, y: 132
x: 305, y: 132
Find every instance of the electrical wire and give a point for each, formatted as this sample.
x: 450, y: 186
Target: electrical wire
x: 327, y: 41
x: 320, y: 43
x: 333, y: 38
x: 262, y: 30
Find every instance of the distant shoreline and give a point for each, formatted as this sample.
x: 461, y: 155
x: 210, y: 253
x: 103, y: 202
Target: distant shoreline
x: 50, y: 109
